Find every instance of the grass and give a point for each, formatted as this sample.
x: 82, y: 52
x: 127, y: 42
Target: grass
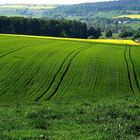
x: 135, y: 25
x: 60, y: 88
x: 38, y: 68
x: 109, y: 14
x: 105, y: 119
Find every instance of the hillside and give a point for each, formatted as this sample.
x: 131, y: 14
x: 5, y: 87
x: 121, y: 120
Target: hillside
x: 98, y: 14
x: 70, y: 72
x: 91, y: 9
x: 73, y: 11
x: 65, y: 88
x: 35, y: 69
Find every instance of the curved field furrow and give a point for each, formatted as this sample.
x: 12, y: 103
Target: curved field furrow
x: 135, y: 57
x: 128, y: 70
x: 132, y: 76
x: 16, y: 73
x: 14, y: 66
x: 72, y: 74
x: 62, y: 68
x: 11, y: 68
x: 88, y: 76
x: 38, y: 69
x: 24, y: 68
x: 94, y: 83
x: 2, y: 65
x: 13, y: 51
x: 47, y: 80
x: 65, y: 72
x: 34, y: 69
x: 134, y: 70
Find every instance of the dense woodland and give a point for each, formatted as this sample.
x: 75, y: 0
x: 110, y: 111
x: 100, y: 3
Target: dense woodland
x: 88, y: 9
x: 64, y: 28
x: 58, y: 28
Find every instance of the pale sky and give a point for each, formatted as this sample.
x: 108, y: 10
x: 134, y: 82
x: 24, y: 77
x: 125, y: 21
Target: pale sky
x: 47, y: 1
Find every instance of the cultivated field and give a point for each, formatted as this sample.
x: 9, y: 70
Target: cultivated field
x: 35, y: 69
x: 83, y: 89
x: 129, y: 16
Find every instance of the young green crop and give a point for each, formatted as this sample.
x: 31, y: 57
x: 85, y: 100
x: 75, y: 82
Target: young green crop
x: 83, y: 89
x: 44, y: 68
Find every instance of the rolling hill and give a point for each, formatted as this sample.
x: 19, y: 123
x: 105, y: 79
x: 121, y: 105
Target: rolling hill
x: 75, y: 11
x: 65, y: 88
x: 39, y: 68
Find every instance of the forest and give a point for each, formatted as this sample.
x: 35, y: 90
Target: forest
x: 57, y: 28
x: 88, y: 9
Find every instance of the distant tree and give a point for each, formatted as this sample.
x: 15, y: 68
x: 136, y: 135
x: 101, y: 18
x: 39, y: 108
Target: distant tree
x: 96, y: 32
x: 136, y: 35
x: 108, y: 34
x: 5, y: 25
x: 34, y: 26
x: 58, y: 28
x: 125, y: 34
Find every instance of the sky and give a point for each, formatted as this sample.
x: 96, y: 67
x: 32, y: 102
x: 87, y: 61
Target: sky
x: 47, y: 1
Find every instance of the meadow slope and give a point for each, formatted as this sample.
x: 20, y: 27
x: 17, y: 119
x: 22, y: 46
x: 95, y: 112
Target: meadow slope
x: 36, y: 69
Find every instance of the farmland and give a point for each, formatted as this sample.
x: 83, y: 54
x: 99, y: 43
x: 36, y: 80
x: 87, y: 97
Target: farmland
x: 38, y: 69
x: 137, y: 16
x: 56, y: 85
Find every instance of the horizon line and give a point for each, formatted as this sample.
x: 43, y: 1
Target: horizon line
x: 55, y: 3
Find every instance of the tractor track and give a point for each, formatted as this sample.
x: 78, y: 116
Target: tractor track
x: 5, y: 54
x: 33, y: 76
x: 43, y: 83
x: 3, y: 80
x: 128, y: 71
x: 24, y: 70
x: 2, y: 65
x: 134, y: 70
x: 95, y: 83
x: 130, y: 60
x: 7, y: 51
x: 15, y: 50
x: 64, y: 73
x: 11, y: 68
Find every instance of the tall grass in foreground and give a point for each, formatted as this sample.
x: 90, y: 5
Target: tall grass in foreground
x: 103, y: 120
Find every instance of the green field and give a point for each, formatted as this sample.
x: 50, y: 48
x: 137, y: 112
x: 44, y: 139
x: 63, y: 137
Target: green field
x: 82, y: 90
x: 135, y: 25
x: 109, y: 14
x: 33, y: 69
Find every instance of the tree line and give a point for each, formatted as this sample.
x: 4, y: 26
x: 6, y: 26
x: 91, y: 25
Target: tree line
x: 42, y: 27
